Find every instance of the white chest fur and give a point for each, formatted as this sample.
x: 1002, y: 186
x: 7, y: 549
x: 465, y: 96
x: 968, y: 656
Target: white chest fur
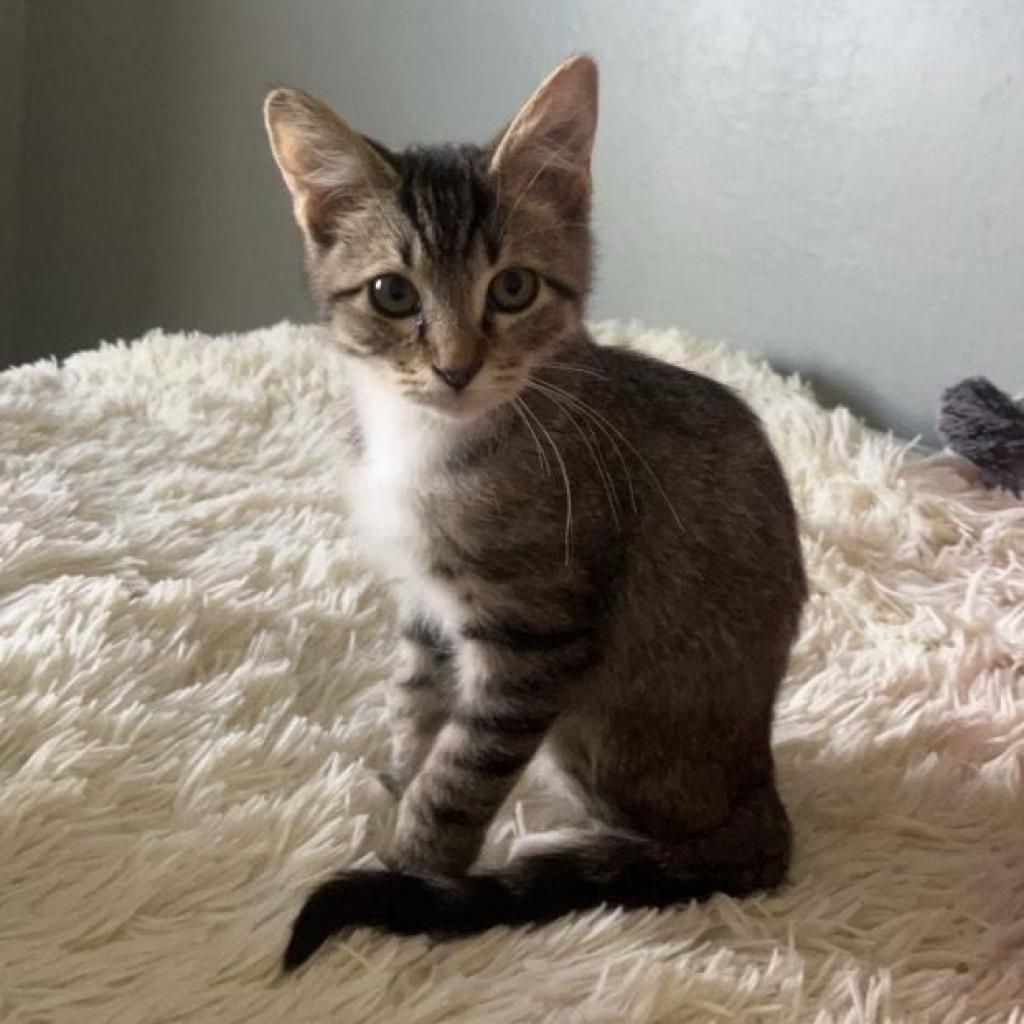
x: 404, y: 451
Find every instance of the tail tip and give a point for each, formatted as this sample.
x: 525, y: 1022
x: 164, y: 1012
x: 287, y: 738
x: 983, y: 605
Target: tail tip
x: 304, y: 942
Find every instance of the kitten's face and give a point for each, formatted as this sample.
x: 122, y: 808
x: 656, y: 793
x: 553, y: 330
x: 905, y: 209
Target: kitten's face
x: 447, y: 272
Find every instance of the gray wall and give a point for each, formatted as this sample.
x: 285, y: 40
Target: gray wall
x: 837, y: 184
x: 12, y: 24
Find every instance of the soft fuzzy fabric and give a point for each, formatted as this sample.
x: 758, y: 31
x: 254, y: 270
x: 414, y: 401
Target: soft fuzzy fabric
x: 191, y: 656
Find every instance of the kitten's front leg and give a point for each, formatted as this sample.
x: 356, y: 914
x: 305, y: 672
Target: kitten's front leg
x: 419, y: 701
x: 512, y: 684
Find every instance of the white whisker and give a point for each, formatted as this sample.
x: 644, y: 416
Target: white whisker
x: 593, y: 449
x: 589, y: 410
x: 645, y: 464
x: 565, y: 478
x: 574, y: 369
x: 591, y: 416
x: 541, y: 455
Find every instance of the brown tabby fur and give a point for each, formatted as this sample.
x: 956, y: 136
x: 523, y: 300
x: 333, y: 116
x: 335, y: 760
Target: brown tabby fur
x: 590, y: 550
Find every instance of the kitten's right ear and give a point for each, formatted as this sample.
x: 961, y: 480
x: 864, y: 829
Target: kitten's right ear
x: 326, y: 165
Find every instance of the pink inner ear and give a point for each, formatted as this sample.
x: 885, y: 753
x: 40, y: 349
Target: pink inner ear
x: 527, y: 168
x: 311, y: 205
x: 290, y: 152
x: 313, y: 210
x: 560, y: 117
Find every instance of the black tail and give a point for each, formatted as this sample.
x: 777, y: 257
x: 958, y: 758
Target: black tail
x: 602, y: 867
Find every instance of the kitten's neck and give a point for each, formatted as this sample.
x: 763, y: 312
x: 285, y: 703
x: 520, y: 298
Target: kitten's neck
x: 400, y: 437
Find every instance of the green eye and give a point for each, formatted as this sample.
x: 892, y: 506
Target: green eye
x: 394, y: 295
x: 512, y: 290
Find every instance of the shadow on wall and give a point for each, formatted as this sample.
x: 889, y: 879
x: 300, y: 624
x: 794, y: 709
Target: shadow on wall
x: 149, y: 194
x: 833, y: 390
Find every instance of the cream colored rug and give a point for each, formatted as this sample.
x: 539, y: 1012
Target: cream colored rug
x: 191, y: 656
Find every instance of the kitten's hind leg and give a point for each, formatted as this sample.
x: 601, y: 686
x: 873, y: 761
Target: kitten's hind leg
x: 706, y: 839
x: 419, y: 701
x: 569, y: 869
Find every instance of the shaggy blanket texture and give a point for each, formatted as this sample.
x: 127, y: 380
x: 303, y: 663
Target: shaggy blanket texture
x: 191, y: 660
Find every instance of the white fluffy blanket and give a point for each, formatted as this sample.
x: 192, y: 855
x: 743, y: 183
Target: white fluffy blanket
x: 191, y: 656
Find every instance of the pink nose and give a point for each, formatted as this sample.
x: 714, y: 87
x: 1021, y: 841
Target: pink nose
x: 457, y: 379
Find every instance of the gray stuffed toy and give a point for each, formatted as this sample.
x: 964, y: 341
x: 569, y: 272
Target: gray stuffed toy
x: 981, y: 423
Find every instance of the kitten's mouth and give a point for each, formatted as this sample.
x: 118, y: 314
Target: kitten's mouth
x: 460, y: 405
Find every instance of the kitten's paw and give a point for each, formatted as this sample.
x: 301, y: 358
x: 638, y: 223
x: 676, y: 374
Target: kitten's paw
x: 432, y: 854
x: 543, y: 842
x: 419, y: 848
x: 424, y: 860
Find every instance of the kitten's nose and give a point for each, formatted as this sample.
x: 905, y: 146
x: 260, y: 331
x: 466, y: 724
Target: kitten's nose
x: 457, y: 378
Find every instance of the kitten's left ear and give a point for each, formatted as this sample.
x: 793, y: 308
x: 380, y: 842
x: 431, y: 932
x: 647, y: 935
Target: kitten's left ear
x: 551, y: 138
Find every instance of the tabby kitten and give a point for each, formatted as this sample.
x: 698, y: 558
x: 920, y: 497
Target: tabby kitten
x: 590, y: 550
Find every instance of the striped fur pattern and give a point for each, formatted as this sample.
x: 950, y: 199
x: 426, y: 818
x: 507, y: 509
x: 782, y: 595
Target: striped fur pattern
x: 590, y: 551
